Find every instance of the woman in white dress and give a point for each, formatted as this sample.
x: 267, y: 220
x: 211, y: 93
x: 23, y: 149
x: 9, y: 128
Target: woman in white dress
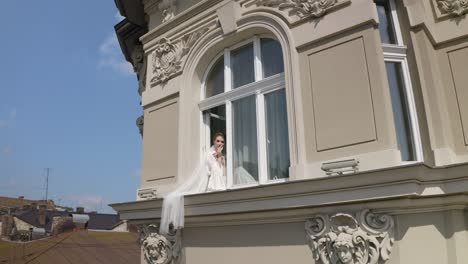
x: 209, y: 177
x: 216, y: 165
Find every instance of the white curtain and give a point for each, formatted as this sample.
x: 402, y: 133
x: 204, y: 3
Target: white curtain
x: 245, y: 141
x: 277, y: 135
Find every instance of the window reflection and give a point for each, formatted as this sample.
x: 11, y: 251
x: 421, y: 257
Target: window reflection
x: 242, y: 66
x: 215, y: 81
x: 272, y: 57
x: 387, y: 32
x: 400, y: 111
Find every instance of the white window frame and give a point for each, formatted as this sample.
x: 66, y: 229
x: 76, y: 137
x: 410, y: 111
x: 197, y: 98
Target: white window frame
x: 260, y: 87
x: 398, y: 53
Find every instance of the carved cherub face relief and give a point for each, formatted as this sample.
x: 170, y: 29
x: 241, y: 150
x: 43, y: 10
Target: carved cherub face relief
x: 344, y: 248
x: 345, y: 254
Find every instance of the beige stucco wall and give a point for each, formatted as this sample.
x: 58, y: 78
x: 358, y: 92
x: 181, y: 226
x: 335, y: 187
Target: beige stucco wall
x: 431, y: 237
x: 339, y: 107
x: 329, y: 118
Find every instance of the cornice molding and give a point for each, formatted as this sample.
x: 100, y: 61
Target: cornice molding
x: 399, y: 190
x: 198, y: 10
x: 302, y: 8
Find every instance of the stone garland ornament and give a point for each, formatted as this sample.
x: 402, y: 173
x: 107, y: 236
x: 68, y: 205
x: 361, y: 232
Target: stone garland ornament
x: 139, y: 66
x: 159, y: 249
x: 303, y: 8
x: 167, y: 58
x: 342, y: 238
x: 453, y: 7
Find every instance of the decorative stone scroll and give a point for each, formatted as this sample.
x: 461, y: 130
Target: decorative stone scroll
x: 302, y: 8
x: 453, y: 7
x: 365, y: 238
x: 139, y: 66
x: 167, y: 58
x: 159, y: 249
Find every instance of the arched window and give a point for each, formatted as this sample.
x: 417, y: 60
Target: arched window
x: 245, y: 99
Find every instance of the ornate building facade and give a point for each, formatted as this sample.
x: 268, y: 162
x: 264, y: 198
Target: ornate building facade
x: 346, y: 128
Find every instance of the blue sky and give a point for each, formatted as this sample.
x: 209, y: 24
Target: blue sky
x: 68, y: 101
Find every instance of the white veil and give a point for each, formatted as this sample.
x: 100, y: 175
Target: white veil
x: 173, y: 203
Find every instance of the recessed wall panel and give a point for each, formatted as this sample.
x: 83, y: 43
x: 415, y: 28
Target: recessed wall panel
x: 160, y: 139
x: 459, y: 67
x: 342, y: 98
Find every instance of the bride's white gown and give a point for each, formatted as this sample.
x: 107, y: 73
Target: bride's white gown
x: 208, y: 177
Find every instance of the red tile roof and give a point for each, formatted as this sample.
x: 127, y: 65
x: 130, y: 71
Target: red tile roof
x: 74, y: 247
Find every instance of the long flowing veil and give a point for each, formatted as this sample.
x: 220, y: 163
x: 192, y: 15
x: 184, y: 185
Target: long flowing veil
x: 173, y: 203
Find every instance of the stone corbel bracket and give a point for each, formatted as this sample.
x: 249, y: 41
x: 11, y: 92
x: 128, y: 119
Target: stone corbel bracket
x: 304, y: 8
x: 168, y: 9
x: 360, y: 238
x: 139, y: 66
x: 453, y: 7
x: 169, y: 56
x: 157, y: 248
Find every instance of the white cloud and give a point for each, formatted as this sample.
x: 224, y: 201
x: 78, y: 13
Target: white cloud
x: 110, y: 56
x: 118, y: 17
x: 89, y: 202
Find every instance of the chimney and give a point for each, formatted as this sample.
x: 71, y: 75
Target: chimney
x: 80, y: 210
x: 41, y: 214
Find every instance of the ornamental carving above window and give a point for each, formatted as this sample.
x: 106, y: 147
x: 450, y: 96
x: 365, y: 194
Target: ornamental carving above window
x: 168, y: 56
x: 363, y: 238
x: 302, y: 8
x: 453, y: 7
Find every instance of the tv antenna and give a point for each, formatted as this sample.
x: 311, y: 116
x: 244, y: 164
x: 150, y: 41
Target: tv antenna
x: 47, y: 184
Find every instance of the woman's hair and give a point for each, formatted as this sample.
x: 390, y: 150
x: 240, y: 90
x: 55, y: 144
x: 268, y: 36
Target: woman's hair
x: 218, y: 134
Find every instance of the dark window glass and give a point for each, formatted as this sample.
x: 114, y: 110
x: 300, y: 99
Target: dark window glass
x: 242, y: 66
x: 217, y: 121
x: 215, y: 82
x: 400, y: 111
x: 272, y: 57
x: 387, y: 31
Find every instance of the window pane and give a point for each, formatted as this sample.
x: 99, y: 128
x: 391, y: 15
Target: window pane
x: 400, y: 111
x: 245, y: 153
x: 277, y: 135
x: 387, y: 32
x: 215, y: 81
x: 217, y: 117
x: 242, y: 66
x: 272, y: 57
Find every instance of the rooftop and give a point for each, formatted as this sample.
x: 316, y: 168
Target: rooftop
x: 96, y: 221
x: 10, y: 202
x: 74, y: 247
